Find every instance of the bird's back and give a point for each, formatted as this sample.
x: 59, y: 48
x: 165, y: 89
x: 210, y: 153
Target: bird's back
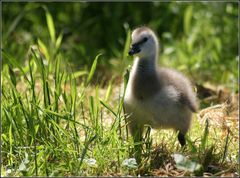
x: 170, y: 77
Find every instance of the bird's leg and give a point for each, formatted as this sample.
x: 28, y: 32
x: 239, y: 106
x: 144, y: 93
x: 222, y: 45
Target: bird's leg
x: 181, y: 139
x: 136, y: 131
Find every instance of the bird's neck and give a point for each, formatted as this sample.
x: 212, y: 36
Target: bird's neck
x: 146, y: 65
x: 144, y: 78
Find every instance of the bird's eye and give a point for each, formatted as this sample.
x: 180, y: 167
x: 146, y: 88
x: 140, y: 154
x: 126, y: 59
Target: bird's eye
x: 145, y: 39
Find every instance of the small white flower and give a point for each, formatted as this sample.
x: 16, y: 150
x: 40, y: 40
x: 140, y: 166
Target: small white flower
x: 22, y: 167
x: 91, y: 162
x: 130, y: 163
x: 8, y: 172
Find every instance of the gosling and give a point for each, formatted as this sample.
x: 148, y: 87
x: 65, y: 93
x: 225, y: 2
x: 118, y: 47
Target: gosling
x: 159, y: 97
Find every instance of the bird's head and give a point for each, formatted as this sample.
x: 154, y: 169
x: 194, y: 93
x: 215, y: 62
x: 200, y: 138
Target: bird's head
x: 144, y: 43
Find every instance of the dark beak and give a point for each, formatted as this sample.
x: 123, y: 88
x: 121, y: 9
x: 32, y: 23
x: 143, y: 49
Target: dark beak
x: 134, y: 49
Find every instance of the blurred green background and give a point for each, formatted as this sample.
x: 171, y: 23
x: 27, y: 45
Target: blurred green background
x: 197, y: 38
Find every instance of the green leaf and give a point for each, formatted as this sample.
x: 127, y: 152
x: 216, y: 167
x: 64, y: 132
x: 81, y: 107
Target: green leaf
x: 79, y: 74
x: 43, y: 49
x: 208, y: 157
x: 15, y: 63
x: 66, y: 116
x: 218, y: 44
x: 205, y: 135
x: 191, y: 145
x: 10, y: 144
x: 93, y: 68
x: 127, y: 44
x: 126, y: 77
x: 50, y: 24
x: 187, y: 19
x: 14, y: 24
x: 109, y: 90
x: 59, y: 41
x: 108, y: 108
x: 12, y: 76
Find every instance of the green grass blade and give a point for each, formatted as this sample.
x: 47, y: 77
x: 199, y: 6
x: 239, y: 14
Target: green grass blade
x: 12, y: 76
x: 127, y: 45
x: 15, y: 63
x: 226, y: 146
x: 84, y: 152
x: 14, y: 24
x: 191, y: 145
x: 50, y: 24
x: 109, y: 90
x: 43, y: 49
x: 93, y: 68
x: 205, y: 135
x: 187, y: 19
x: 59, y: 41
x: 108, y: 108
x: 10, y: 144
x: 20, y: 130
x: 79, y: 74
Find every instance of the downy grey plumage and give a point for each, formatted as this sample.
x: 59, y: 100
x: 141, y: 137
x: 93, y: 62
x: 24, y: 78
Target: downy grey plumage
x: 156, y: 96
